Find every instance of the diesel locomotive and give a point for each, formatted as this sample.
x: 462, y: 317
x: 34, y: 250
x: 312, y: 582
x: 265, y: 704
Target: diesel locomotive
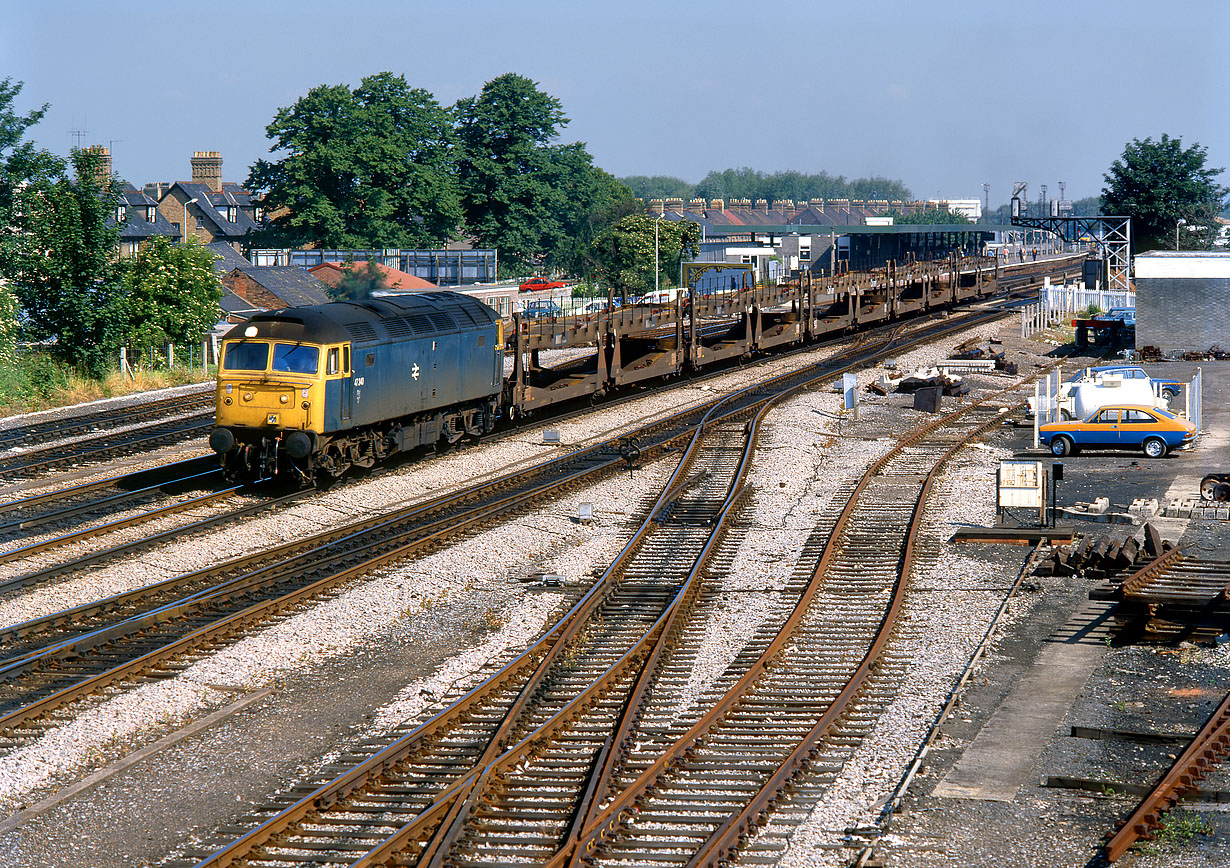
x: 312, y: 391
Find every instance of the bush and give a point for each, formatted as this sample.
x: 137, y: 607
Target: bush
x: 36, y: 381
x: 33, y: 380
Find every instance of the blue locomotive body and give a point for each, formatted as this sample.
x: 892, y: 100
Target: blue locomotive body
x: 319, y: 389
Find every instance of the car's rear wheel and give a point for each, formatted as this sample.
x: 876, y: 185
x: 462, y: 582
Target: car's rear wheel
x: 1169, y: 394
x: 1061, y: 446
x: 1155, y: 447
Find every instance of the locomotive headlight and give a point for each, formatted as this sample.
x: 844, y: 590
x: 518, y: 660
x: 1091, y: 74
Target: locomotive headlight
x: 284, y: 399
x: 306, y: 405
x: 227, y: 401
x: 248, y: 396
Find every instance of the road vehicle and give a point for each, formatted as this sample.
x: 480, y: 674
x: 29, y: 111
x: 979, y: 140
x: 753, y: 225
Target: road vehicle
x: 541, y: 308
x: 538, y: 284
x: 1153, y: 430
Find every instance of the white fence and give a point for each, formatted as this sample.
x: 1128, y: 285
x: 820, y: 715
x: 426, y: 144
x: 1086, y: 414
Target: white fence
x: 1058, y: 303
x: 1071, y: 299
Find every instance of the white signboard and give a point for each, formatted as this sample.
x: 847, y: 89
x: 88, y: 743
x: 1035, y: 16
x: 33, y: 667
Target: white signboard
x: 1020, y: 484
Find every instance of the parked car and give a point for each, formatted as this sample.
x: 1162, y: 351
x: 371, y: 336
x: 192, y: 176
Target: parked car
x: 597, y: 306
x: 1151, y: 429
x: 1167, y: 388
x: 541, y: 308
x: 537, y: 284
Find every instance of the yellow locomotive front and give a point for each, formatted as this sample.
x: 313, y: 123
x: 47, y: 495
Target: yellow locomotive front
x: 269, y: 401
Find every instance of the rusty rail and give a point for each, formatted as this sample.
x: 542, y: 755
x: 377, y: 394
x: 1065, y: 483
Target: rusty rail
x: 1209, y: 746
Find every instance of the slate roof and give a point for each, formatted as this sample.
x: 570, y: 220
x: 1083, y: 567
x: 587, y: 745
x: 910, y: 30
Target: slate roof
x: 137, y: 207
x: 213, y: 207
x: 226, y: 258
x: 290, y: 283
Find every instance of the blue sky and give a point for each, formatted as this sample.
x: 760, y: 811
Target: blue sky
x: 943, y: 96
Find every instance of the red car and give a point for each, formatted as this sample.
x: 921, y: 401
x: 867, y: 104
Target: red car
x: 537, y: 284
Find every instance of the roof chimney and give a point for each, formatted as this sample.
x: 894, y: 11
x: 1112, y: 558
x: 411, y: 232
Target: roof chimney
x: 104, y: 167
x: 207, y: 169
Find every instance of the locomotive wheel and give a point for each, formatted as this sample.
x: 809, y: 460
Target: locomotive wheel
x: 1222, y: 491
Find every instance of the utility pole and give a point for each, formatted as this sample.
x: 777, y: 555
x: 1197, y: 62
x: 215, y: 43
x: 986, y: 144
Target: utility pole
x: 986, y: 200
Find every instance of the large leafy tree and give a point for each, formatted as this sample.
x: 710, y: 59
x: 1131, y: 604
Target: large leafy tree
x: 369, y: 167
x: 1162, y: 185
x: 170, y: 294
x: 523, y: 195
x: 64, y: 265
x: 624, y: 251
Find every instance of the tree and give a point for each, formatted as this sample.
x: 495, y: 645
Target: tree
x: 170, y: 294
x: 624, y: 251
x: 748, y: 183
x: 20, y: 164
x: 358, y: 281
x: 658, y: 187
x: 64, y: 265
x: 931, y: 216
x: 1158, y: 184
x: 369, y: 167
x: 521, y: 194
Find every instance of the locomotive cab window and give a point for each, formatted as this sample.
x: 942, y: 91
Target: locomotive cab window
x: 331, y: 366
x: 246, y: 356
x: 295, y: 359
x: 346, y: 359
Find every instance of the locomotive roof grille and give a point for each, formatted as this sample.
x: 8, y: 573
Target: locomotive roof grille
x: 369, y: 320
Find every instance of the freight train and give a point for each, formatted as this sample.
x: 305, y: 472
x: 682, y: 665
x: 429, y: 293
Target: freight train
x: 310, y: 392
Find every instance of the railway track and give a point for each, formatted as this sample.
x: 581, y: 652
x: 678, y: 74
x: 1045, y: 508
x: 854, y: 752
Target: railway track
x: 108, y: 447
x: 1185, y: 595
x: 103, y: 420
x: 536, y: 790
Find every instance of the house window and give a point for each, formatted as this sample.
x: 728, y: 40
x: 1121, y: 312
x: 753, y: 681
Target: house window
x: 120, y: 213
x: 258, y: 215
x: 231, y: 213
x: 150, y: 213
x: 200, y: 223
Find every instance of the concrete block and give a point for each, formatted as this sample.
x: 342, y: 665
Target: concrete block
x: 1100, y: 505
x: 1223, y: 513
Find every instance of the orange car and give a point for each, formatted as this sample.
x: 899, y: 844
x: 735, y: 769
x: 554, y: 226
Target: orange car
x: 1125, y: 426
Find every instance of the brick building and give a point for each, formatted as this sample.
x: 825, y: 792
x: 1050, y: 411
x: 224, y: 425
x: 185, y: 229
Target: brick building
x: 208, y: 208
x: 272, y: 287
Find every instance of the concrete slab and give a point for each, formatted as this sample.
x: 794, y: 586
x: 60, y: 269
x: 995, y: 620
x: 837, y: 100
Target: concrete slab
x: 1003, y: 754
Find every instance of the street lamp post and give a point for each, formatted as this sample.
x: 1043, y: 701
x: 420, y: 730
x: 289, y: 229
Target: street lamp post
x: 655, y: 252
x: 1182, y: 222
x: 184, y: 230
